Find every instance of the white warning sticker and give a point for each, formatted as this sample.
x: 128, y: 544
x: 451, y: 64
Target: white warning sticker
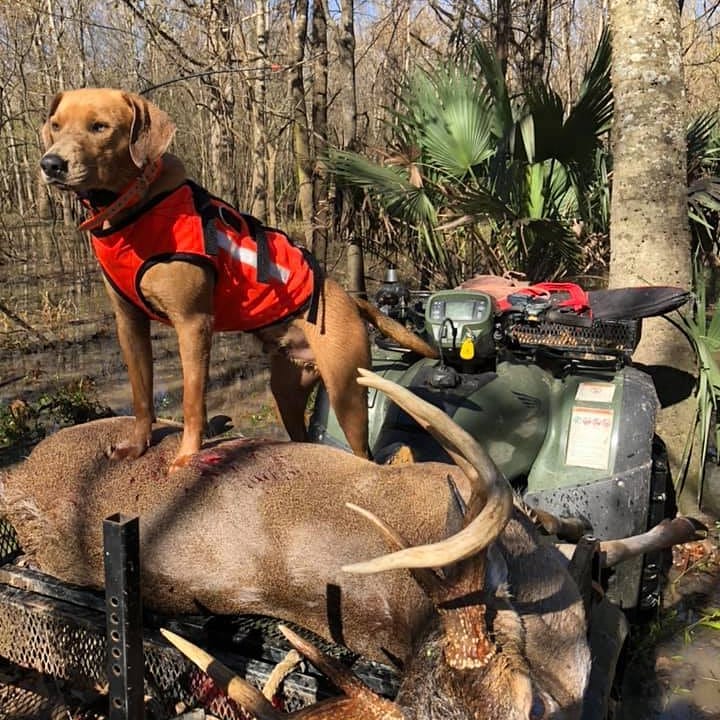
x: 601, y: 392
x: 590, y: 437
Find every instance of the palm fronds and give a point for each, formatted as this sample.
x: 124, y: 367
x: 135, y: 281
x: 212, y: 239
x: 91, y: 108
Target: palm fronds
x: 704, y: 336
x: 703, y: 169
x: 468, y: 162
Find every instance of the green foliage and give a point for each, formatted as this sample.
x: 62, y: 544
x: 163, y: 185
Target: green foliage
x: 709, y: 619
x: 475, y: 180
x: 451, y: 118
x: 704, y: 336
x: 703, y: 161
x: 23, y: 423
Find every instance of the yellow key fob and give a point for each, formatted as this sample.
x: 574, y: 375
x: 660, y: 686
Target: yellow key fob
x: 467, y: 349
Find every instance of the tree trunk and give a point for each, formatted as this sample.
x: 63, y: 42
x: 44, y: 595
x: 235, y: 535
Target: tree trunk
x: 356, y: 270
x: 347, y: 92
x: 259, y: 206
x: 567, y: 38
x: 348, y: 140
x: 297, y: 31
x: 649, y: 235
x: 52, y: 13
x: 320, y: 132
x: 503, y: 33
x: 534, y: 50
x: 222, y: 105
x: 55, y: 79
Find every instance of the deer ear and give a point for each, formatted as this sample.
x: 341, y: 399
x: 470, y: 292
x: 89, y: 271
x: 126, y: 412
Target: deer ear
x: 45, y: 133
x: 151, y: 130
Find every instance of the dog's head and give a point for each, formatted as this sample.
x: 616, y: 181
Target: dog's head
x: 100, y: 139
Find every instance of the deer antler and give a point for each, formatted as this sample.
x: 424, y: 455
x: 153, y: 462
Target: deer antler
x: 664, y: 535
x: 237, y: 689
x: 458, y: 602
x: 467, y: 641
x: 359, y: 702
x: 490, y: 503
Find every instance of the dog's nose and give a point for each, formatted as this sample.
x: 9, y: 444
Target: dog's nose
x: 53, y: 165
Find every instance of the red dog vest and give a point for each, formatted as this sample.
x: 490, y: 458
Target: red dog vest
x: 261, y: 277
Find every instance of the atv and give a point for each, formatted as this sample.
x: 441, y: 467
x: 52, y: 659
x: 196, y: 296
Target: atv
x: 543, y: 378
x: 542, y: 375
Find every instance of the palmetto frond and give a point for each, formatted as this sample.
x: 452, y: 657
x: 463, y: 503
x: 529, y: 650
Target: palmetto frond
x: 490, y: 70
x: 703, y: 145
x: 390, y: 184
x: 548, y: 247
x: 548, y: 192
x: 394, y: 189
x: 595, y: 99
x: 703, y: 168
x: 544, y: 113
x: 451, y: 116
x: 588, y: 121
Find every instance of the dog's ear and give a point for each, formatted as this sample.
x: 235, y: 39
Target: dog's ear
x: 45, y: 130
x: 151, y: 130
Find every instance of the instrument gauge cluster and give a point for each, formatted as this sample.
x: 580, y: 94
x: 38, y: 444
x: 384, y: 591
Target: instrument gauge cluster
x: 456, y: 316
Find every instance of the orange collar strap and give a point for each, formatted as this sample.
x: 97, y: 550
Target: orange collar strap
x: 131, y: 195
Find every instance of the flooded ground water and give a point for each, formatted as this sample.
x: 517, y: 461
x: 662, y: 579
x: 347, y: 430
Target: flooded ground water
x: 673, y: 665
x: 56, y: 327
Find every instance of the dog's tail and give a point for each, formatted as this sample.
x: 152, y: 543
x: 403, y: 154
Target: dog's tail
x: 394, y: 330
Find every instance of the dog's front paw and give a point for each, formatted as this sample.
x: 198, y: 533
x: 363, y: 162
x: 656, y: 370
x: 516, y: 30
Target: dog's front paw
x: 126, y: 450
x: 180, y: 461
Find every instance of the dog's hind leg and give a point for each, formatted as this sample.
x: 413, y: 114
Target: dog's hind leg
x: 339, y: 344
x: 349, y: 401
x: 338, y: 370
x: 291, y: 382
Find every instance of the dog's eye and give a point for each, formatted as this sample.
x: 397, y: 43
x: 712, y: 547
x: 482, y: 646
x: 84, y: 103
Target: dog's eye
x: 98, y: 127
x: 54, y: 126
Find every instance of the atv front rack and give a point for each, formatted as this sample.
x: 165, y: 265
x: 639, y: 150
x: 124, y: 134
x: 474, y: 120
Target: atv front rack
x: 616, y: 338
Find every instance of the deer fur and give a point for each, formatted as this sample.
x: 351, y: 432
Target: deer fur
x: 248, y: 526
x: 481, y: 656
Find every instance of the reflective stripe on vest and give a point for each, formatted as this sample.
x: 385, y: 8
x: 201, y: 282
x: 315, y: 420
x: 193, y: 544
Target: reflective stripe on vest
x: 247, y: 256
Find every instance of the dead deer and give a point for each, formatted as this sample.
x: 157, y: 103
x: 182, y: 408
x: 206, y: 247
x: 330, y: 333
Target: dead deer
x: 263, y: 527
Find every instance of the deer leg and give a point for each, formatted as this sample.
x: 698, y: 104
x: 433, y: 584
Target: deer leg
x: 664, y: 535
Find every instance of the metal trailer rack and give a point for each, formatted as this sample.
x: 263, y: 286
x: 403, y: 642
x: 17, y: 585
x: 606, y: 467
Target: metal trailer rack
x: 61, y: 631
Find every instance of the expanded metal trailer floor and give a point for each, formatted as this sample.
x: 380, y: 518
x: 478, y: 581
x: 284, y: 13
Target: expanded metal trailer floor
x: 59, y: 631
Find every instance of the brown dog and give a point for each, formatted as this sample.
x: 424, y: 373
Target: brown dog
x: 109, y: 147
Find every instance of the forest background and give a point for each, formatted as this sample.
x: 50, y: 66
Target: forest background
x: 340, y: 122
x: 264, y: 92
